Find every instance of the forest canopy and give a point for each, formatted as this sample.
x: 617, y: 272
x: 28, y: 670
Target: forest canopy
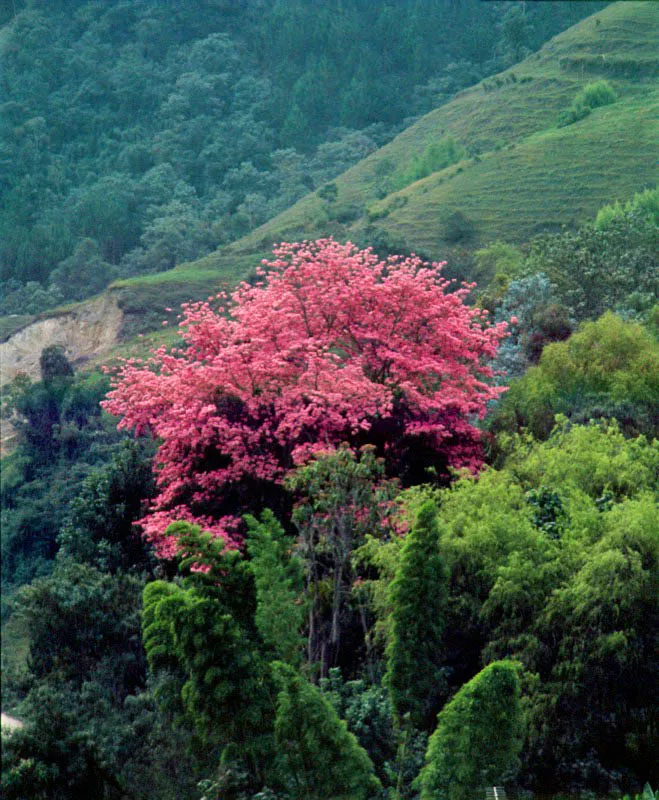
x: 351, y: 529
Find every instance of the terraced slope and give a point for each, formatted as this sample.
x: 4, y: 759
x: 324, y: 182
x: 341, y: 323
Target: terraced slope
x: 526, y: 174
x: 522, y: 175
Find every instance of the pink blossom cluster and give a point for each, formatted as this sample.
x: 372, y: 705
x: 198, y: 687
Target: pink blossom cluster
x: 328, y: 341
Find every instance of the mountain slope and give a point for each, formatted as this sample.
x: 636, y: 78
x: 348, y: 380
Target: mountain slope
x: 527, y: 174
x: 521, y: 174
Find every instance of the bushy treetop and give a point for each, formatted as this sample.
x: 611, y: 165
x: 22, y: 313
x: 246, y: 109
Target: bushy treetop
x: 330, y: 345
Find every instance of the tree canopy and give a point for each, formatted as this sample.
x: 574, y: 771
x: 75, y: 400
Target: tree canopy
x: 330, y: 345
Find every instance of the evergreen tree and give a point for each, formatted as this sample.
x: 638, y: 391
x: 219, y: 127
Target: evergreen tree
x: 478, y: 737
x: 318, y: 758
x: 418, y: 597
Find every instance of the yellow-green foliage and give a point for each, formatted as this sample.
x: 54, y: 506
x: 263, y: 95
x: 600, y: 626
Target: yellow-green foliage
x: 435, y: 157
x: 593, y: 95
x: 593, y: 459
x: 279, y: 582
x: 495, y: 266
x: 553, y: 561
x: 644, y: 203
x: 609, y: 368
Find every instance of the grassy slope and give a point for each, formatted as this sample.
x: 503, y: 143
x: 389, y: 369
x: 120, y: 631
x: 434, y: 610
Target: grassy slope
x: 527, y: 175
x: 530, y: 175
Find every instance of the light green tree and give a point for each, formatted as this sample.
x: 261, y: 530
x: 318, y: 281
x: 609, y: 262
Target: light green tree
x: 279, y: 579
x: 478, y: 737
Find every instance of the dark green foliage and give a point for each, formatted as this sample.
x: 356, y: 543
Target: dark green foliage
x: 367, y: 712
x: 418, y: 595
x: 317, y: 757
x: 54, y: 364
x: 458, y: 228
x: 90, y: 724
x: 51, y: 759
x: 173, y: 129
x: 279, y: 581
x: 599, y: 269
x: 83, y: 625
x: 100, y: 530
x: 61, y: 436
x: 478, y: 737
x: 548, y: 514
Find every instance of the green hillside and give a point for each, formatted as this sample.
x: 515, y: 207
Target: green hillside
x: 521, y: 173
x: 524, y: 174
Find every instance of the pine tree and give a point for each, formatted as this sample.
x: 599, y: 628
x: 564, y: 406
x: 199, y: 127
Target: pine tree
x: 318, y: 758
x: 478, y: 737
x: 418, y: 596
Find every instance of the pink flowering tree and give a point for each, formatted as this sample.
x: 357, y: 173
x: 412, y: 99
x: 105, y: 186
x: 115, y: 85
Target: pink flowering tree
x: 331, y: 345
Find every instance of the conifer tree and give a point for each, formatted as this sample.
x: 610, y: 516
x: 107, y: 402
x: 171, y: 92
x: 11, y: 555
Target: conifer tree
x: 418, y: 596
x: 318, y: 758
x: 478, y: 737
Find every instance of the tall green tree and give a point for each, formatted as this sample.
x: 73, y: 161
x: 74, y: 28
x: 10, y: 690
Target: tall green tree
x: 418, y: 596
x: 200, y: 639
x: 317, y: 757
x: 478, y: 737
x: 340, y: 498
x: 279, y: 579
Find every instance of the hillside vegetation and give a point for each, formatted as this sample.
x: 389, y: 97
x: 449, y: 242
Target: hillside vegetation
x: 519, y: 173
x: 137, y: 136
x: 523, y: 175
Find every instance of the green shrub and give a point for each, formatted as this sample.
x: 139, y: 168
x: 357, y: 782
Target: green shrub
x: 607, y: 369
x: 436, y: 156
x: 593, y: 95
x: 478, y: 737
x: 317, y: 757
x: 644, y: 203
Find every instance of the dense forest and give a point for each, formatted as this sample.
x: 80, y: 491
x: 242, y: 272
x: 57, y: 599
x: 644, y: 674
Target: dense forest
x: 355, y: 530
x: 139, y: 135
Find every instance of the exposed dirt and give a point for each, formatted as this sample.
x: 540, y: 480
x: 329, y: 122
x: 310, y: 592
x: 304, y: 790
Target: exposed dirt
x: 86, y: 331
x: 10, y: 723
